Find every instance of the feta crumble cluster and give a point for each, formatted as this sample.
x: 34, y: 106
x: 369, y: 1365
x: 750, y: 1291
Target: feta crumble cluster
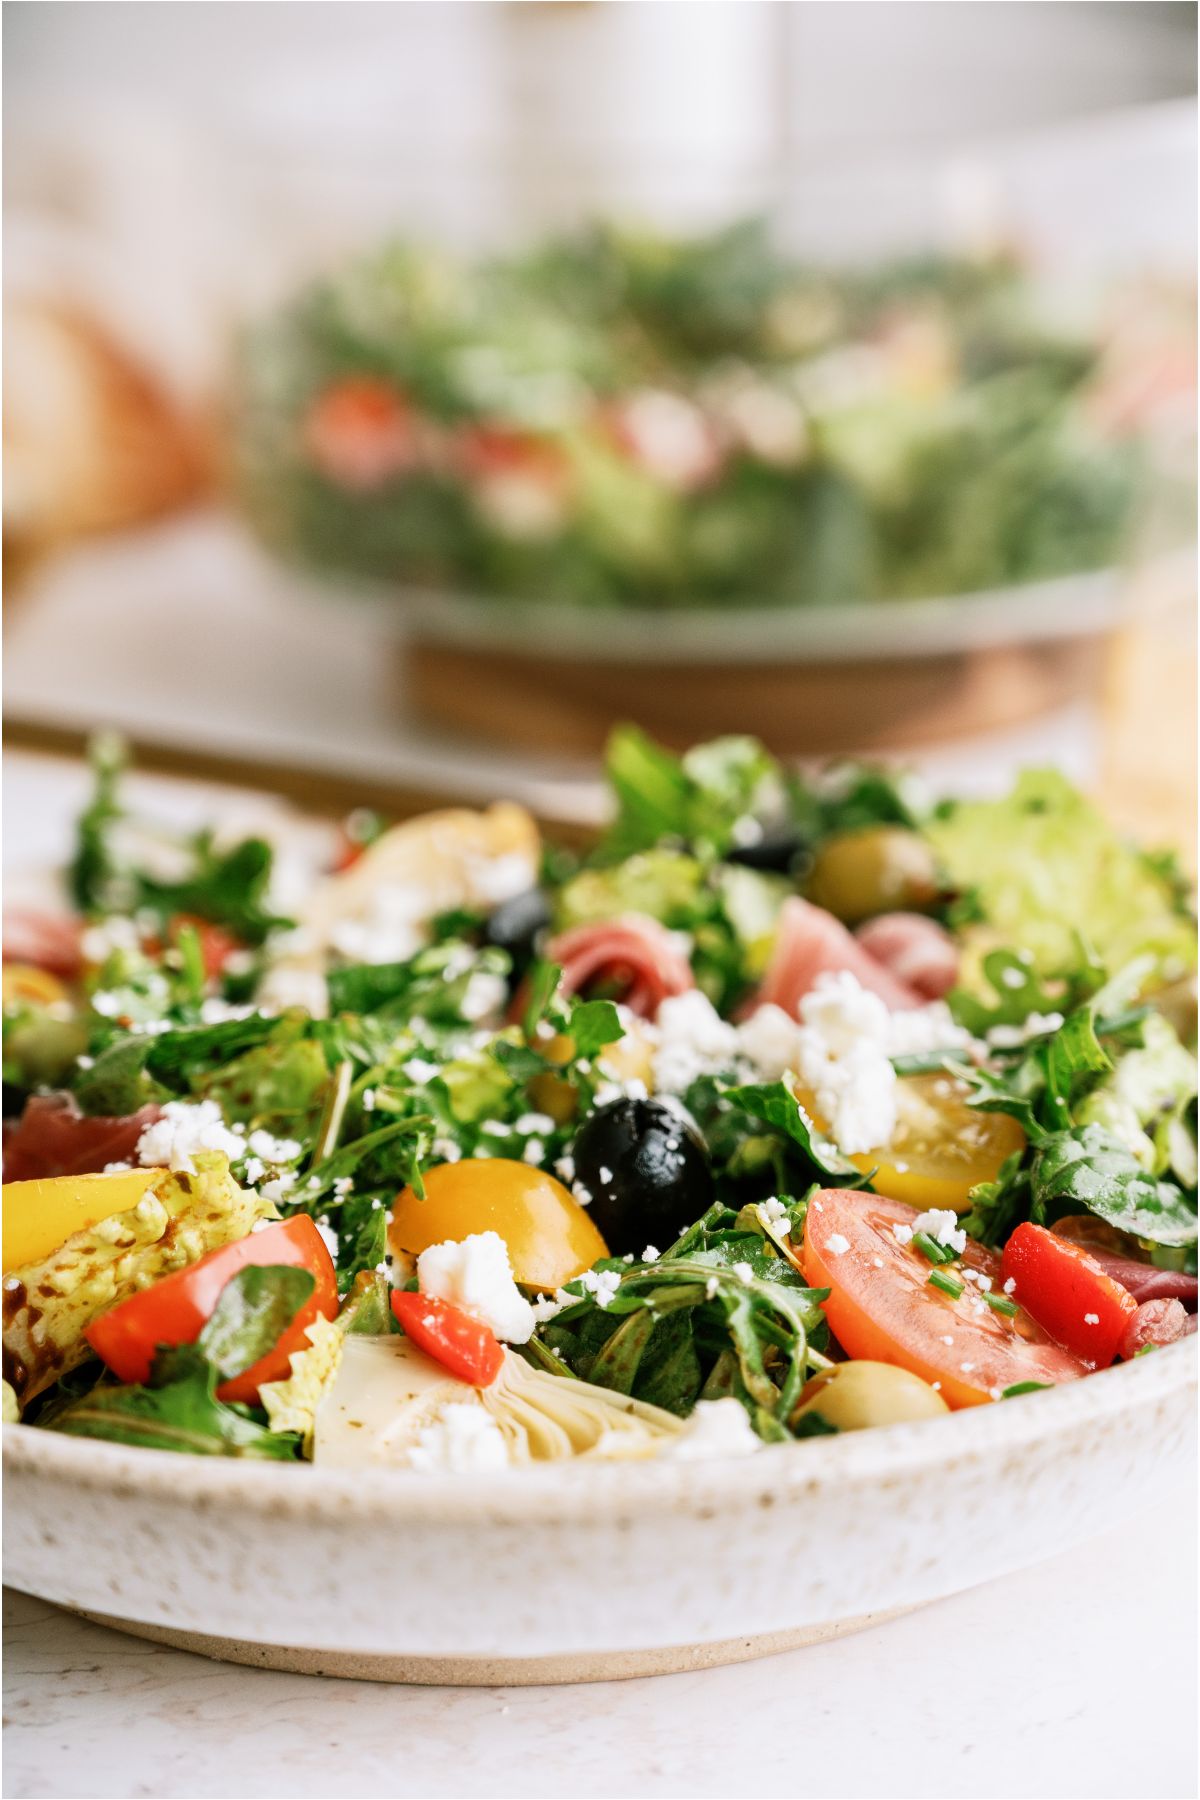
x: 844, y: 1061
x: 476, y: 1275
x: 462, y: 1440
x: 938, y: 1223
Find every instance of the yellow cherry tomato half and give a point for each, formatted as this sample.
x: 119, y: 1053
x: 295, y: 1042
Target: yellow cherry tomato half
x: 941, y: 1148
x: 25, y: 985
x: 550, y: 1237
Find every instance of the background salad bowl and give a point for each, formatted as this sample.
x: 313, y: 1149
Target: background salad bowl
x: 573, y: 1572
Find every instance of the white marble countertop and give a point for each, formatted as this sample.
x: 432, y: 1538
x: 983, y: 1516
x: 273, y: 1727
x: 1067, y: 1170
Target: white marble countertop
x: 1074, y: 1680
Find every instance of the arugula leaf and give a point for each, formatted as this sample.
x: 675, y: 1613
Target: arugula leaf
x: 697, y: 798
x: 1088, y: 1169
x: 592, y: 1024
x: 184, y: 1415
x: 279, y: 1085
x: 118, y: 1082
x: 429, y: 985
x: 254, y: 1309
x: 998, y: 1207
x: 775, y: 1103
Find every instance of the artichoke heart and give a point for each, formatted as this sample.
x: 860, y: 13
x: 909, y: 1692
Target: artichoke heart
x: 49, y: 1304
x: 388, y: 1394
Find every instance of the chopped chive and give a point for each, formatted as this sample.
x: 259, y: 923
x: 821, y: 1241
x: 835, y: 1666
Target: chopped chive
x: 1024, y: 1387
x: 949, y: 1284
x: 1001, y: 1303
x: 930, y: 1249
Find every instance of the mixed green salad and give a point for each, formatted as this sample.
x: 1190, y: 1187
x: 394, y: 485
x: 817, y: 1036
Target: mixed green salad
x: 615, y: 419
x: 796, y: 1104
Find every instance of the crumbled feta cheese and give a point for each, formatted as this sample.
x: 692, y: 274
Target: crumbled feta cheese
x: 947, y: 1340
x: 1010, y: 1286
x: 534, y: 1151
x: 608, y: 1091
x: 1091, y: 1318
x: 902, y: 1233
x: 107, y: 1005
x: 767, y: 1040
x: 495, y: 1128
x: 538, y: 1122
x: 462, y: 1440
x: 582, y: 1194
x: 279, y: 1189
x: 715, y: 1428
x: 446, y: 1150
x: 692, y: 1040
x: 602, y: 1283
x: 99, y: 941
x: 483, y: 995
x: 564, y: 1168
x: 343, y: 1185
x: 328, y: 1235
x: 836, y: 1244
x: 745, y: 1273
x: 171, y: 1141
x: 368, y: 1099
x: 254, y: 1170
x: 774, y: 1214
x: 943, y: 1227
x: 922, y: 1030
x: 650, y: 1254
x: 966, y: 1367
x: 476, y: 1275
x: 418, y: 1069
x: 273, y: 1149
x: 710, y: 1288
x: 877, y: 1262
x: 1011, y: 1037
x: 842, y: 1058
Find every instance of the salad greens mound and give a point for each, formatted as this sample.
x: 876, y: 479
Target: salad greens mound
x: 654, y: 1071
x: 616, y: 419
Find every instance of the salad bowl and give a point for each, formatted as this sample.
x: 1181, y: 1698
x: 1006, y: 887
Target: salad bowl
x: 567, y: 1573
x: 331, y: 1343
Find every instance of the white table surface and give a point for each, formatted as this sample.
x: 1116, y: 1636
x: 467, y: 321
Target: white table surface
x: 1075, y: 1678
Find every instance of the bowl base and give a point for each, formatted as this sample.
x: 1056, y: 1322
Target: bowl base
x: 562, y: 705
x: 489, y: 1671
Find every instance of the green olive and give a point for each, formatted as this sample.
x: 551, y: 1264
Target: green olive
x: 876, y: 869
x: 854, y: 1395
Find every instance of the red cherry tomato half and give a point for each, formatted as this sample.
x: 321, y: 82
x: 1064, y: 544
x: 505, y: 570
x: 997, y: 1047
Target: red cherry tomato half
x: 1068, y: 1293
x: 360, y: 433
x: 450, y: 1336
x: 176, y: 1309
x: 881, y: 1306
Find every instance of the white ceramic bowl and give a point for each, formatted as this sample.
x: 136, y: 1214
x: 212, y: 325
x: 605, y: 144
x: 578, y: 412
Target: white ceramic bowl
x: 573, y: 1572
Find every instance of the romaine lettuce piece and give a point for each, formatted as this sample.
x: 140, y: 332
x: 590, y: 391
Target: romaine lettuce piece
x: 1044, y: 869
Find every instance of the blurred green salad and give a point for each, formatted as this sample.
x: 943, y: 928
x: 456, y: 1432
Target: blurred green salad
x: 617, y: 420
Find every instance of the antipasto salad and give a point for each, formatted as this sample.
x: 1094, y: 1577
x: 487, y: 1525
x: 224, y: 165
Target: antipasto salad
x: 793, y: 1106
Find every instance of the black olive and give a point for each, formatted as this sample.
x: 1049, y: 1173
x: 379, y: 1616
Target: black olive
x: 647, y: 1171
x: 515, y: 924
x: 14, y: 1100
x: 778, y: 850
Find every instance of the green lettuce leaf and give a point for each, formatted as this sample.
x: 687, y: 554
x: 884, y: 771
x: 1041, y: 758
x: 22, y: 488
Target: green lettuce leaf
x: 1045, y: 869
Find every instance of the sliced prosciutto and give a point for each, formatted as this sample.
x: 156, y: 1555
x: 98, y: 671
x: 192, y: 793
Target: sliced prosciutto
x: 916, y: 950
x: 52, y: 1137
x: 637, y: 960
x: 48, y: 941
x: 809, y: 943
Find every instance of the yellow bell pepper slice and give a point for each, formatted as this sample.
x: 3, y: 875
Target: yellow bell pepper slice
x: 41, y: 1215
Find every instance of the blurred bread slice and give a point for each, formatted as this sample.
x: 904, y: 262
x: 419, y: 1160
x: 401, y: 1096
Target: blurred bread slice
x: 91, y: 441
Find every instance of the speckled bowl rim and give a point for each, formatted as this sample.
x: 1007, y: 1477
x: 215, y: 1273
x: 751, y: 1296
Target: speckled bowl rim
x: 563, y: 1493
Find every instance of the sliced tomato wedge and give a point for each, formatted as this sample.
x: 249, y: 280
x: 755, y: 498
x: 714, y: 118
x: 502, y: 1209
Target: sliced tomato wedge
x: 1068, y: 1292
x: 176, y: 1309
x: 882, y: 1307
x: 450, y: 1336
